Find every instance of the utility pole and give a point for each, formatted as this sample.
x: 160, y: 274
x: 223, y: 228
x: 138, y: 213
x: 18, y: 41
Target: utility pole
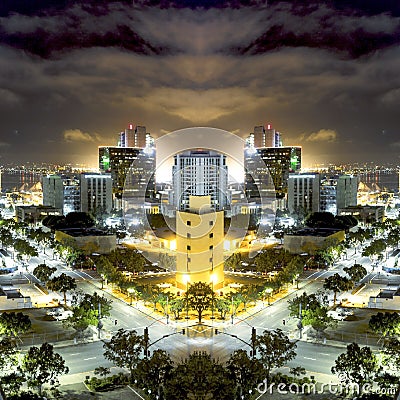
x: 99, y: 323
x: 253, y: 342
x: 146, y: 341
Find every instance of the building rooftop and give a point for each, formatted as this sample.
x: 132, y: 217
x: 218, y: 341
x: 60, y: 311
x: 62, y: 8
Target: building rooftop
x: 85, y: 232
x: 324, y: 232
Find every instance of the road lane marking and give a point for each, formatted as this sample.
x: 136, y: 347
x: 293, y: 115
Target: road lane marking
x: 75, y: 354
x: 324, y: 354
x: 309, y: 358
x: 90, y: 358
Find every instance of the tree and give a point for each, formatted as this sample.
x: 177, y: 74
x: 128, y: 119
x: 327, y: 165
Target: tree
x: 200, y: 297
x: 386, y: 324
x: 375, y: 249
x: 321, y: 220
x: 358, y: 365
x: 42, y: 365
x: 152, y: 373
x: 150, y: 293
x: 13, y: 324
x: 233, y: 261
x: 355, y: 272
x: 199, y: 377
x: 79, y: 219
x: 24, y: 250
x: 8, y: 360
x: 246, y: 372
x: 176, y: 305
x: 275, y: 350
x: 248, y: 293
x: 124, y: 349
x: 318, y: 318
x: 86, y: 308
x: 62, y: 283
x: 43, y: 272
x: 222, y: 304
x: 336, y: 284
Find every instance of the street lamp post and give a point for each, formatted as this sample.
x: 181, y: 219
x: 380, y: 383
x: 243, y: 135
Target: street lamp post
x: 213, y: 278
x: 268, y: 291
x: 131, y: 291
x: 166, y: 311
x: 232, y: 310
x: 186, y: 279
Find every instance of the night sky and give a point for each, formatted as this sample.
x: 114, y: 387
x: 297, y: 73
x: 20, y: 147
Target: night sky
x: 75, y: 73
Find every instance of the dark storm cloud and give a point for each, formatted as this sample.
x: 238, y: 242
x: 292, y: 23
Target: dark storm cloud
x: 73, y: 74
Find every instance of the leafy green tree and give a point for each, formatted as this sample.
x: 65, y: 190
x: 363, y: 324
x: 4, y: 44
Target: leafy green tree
x: 150, y: 294
x: 337, y: 284
x: 8, y: 360
x: 200, y: 297
x: 233, y: 261
x: 85, y: 309
x: 24, y: 250
x: 152, y: 373
x: 199, y: 377
x: 320, y: 220
x: 62, y: 283
x: 391, y: 353
x: 222, y: 304
x: 43, y: 272
x: 177, y: 305
x: 246, y: 372
x: 13, y: 324
x: 355, y: 272
x: 358, y: 365
x: 79, y: 219
x: 375, y: 249
x: 275, y: 350
x: 166, y: 261
x: 42, y: 365
x: 124, y: 350
x: 386, y: 324
x: 318, y: 319
x: 248, y: 293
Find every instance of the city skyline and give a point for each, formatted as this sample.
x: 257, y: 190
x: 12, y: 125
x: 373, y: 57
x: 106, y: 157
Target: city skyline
x: 74, y: 74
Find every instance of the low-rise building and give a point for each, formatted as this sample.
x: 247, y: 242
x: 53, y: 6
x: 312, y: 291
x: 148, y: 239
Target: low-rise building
x: 34, y: 214
x: 365, y: 214
x: 89, y: 240
x: 310, y: 240
x: 12, y: 299
x: 386, y: 299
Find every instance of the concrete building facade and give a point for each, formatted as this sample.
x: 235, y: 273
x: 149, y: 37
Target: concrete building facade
x: 200, y: 173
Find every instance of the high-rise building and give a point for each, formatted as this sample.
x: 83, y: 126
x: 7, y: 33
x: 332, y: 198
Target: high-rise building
x: 333, y: 192
x: 304, y: 192
x: 200, y: 173
x: 133, y: 136
x: 265, y: 136
x: 118, y: 162
x: 62, y: 192
x: 200, y: 244
x: 96, y: 193
x: 273, y: 172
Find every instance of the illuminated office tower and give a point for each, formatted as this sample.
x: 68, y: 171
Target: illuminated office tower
x: 96, y: 193
x: 200, y: 173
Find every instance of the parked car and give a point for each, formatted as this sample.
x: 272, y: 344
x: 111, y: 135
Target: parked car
x: 54, y: 311
x: 344, y: 311
x: 64, y: 315
x: 336, y: 315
